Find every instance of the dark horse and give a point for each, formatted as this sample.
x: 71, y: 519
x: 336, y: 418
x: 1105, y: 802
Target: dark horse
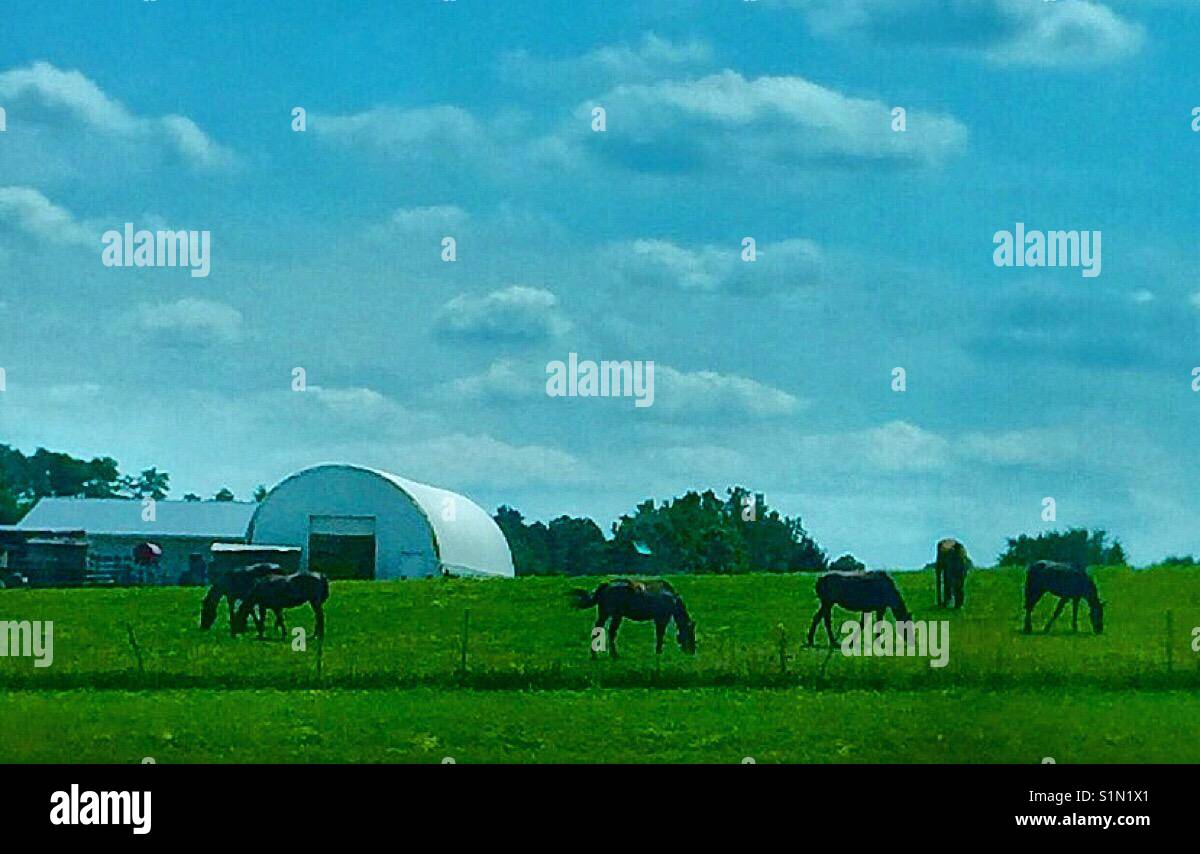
x: 872, y: 592
x: 276, y: 592
x: 950, y: 572
x: 235, y: 586
x: 1065, y: 582
x: 638, y: 600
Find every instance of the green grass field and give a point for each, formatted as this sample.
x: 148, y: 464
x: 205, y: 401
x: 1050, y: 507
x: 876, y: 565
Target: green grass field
x: 388, y: 685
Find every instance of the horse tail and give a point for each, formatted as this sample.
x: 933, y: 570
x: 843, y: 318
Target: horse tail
x: 581, y: 599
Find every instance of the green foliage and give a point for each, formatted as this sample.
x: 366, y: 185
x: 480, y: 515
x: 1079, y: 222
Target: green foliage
x: 695, y: 533
x: 1074, y: 545
x: 25, y: 479
x: 223, y: 494
x: 151, y: 483
x: 847, y: 563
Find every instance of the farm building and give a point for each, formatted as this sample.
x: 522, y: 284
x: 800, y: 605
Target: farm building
x: 356, y: 522
x: 113, y: 527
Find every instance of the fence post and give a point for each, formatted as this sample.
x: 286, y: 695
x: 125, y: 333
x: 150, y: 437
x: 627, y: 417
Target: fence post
x: 137, y: 650
x: 466, y: 631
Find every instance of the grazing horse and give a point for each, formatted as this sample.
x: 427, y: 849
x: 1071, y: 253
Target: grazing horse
x: 873, y: 592
x: 638, y: 600
x: 951, y: 572
x: 234, y: 586
x: 1065, y: 582
x: 276, y: 592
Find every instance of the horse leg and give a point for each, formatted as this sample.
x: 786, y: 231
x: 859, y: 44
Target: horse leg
x: 1075, y: 614
x: 660, y: 629
x: 1031, y: 600
x: 829, y: 623
x: 812, y: 629
x: 319, y: 627
x: 959, y: 584
x: 612, y: 637
x: 1062, y: 603
x: 938, y: 582
x: 279, y: 623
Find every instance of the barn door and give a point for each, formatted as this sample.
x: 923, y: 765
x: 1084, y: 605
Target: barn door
x: 342, y: 546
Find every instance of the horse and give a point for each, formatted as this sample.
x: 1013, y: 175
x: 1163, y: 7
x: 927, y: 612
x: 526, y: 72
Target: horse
x: 235, y: 586
x: 1066, y: 582
x: 873, y: 592
x: 277, y: 592
x: 950, y: 572
x: 638, y: 600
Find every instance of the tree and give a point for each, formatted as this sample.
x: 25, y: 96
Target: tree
x: 847, y: 563
x: 529, y: 543
x: 1074, y: 546
x: 191, y: 496
x: 151, y: 483
x: 260, y: 492
x: 223, y: 495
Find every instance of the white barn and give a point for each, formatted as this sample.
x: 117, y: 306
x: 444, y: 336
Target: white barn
x: 357, y: 522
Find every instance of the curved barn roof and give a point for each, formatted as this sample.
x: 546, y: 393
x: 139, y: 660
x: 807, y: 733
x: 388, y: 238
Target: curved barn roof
x: 467, y: 539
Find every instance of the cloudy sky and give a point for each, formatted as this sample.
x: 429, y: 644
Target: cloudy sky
x: 725, y: 120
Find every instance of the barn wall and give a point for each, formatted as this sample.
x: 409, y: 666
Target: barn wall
x: 175, y: 552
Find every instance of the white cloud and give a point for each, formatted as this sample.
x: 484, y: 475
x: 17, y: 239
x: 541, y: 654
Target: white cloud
x: 189, y: 321
x: 663, y: 264
x: 504, y: 380
x: 428, y: 219
x: 725, y: 121
x: 401, y: 132
x: 31, y: 212
x: 517, y: 313
x: 43, y: 85
x: 651, y: 58
x: 1019, y: 32
x: 707, y: 393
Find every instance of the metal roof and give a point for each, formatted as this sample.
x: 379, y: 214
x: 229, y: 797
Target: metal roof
x: 116, y: 516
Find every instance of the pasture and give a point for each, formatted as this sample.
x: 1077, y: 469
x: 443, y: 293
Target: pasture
x: 389, y: 684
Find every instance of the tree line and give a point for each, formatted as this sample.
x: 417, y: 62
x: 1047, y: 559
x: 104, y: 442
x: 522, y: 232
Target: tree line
x: 26, y: 478
x: 698, y: 532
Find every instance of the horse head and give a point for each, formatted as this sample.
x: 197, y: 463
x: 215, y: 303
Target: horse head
x: 687, y: 636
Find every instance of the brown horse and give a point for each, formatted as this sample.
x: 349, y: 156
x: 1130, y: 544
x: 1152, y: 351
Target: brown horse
x: 235, y: 586
x: 1065, y: 582
x: 276, y: 592
x: 638, y: 600
x: 951, y: 572
x: 873, y: 592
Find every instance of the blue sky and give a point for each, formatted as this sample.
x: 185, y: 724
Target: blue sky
x: 725, y: 119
